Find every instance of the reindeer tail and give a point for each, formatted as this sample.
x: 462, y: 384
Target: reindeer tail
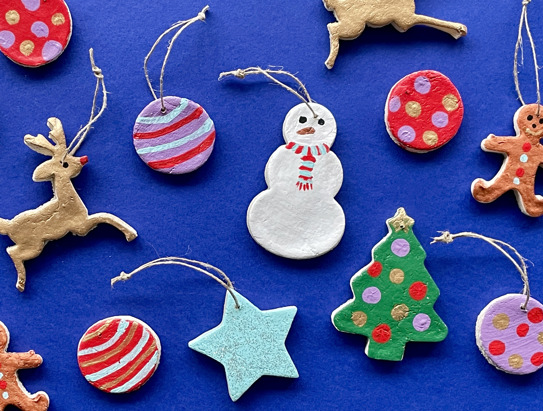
x: 4, y: 226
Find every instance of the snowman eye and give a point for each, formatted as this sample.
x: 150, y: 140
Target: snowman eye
x: 530, y: 118
x: 303, y: 119
x: 321, y: 122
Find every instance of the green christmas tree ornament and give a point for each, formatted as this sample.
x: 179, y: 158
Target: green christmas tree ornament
x: 393, y: 297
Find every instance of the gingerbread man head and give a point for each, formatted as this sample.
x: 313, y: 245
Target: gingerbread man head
x: 529, y: 122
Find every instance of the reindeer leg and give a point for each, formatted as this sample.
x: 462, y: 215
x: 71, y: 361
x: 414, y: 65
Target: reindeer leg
x: 106, y: 218
x: 339, y: 31
x: 19, y: 256
x: 456, y: 30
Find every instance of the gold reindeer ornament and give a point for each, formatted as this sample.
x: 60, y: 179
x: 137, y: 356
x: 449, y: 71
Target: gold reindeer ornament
x: 65, y: 212
x: 354, y: 15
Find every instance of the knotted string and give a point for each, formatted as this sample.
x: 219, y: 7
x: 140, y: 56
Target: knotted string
x: 524, y: 23
x: 185, y: 262
x: 242, y: 73
x: 520, y: 265
x: 180, y: 26
x: 82, y: 134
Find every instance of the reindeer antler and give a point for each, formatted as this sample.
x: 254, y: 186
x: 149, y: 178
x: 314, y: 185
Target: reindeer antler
x: 57, y: 132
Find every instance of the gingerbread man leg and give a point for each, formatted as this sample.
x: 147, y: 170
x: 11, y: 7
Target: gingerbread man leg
x: 530, y: 203
x: 488, y: 191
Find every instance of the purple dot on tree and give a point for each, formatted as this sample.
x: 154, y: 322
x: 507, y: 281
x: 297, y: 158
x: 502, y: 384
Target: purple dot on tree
x: 421, y: 322
x: 440, y: 119
x: 406, y: 134
x: 394, y: 104
x: 400, y: 247
x: 40, y: 29
x: 7, y: 38
x: 422, y: 85
x: 371, y: 295
x: 32, y: 5
x: 51, y: 50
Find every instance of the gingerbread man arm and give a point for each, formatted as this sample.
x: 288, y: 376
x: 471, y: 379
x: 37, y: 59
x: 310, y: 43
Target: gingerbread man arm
x: 27, y: 359
x: 498, y: 144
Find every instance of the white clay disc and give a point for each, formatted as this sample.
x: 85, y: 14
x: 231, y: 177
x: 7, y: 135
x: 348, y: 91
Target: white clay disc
x: 297, y: 216
x: 509, y: 338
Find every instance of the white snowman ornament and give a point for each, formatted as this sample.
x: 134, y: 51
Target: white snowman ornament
x: 297, y: 217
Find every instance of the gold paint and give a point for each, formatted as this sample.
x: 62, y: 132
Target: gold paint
x: 97, y: 332
x: 12, y: 17
x: 413, y: 109
x: 450, y: 102
x: 131, y: 369
x: 399, y: 312
x: 430, y: 138
x: 401, y: 221
x: 540, y: 338
x: 117, y: 350
x: 500, y: 321
x: 359, y: 318
x: 58, y: 19
x: 27, y: 47
x: 515, y: 361
x: 397, y: 276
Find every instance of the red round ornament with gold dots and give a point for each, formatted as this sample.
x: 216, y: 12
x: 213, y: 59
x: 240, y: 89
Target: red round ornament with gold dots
x: 34, y: 32
x: 423, y: 111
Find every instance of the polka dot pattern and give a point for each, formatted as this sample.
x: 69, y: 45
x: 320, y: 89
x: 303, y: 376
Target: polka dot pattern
x: 371, y: 295
x: 400, y: 247
x: 424, y: 111
x: 381, y: 334
x: 34, y: 32
x: 510, y: 338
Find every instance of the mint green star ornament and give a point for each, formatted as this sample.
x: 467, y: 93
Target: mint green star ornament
x: 249, y: 343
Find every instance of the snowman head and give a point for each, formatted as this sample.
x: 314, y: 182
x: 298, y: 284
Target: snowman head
x: 301, y: 127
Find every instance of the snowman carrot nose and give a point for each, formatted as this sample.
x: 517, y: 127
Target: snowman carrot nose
x: 307, y: 130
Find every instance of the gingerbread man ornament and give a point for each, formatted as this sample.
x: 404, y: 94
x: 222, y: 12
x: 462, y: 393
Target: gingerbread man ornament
x: 523, y: 156
x: 12, y: 391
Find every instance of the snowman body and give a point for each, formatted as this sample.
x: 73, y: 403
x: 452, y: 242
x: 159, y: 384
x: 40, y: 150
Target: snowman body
x: 297, y: 216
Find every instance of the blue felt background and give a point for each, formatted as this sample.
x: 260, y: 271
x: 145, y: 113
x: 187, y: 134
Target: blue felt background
x: 202, y: 216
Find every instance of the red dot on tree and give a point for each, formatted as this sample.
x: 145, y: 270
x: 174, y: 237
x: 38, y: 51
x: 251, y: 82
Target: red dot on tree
x: 417, y: 290
x: 535, y: 315
x: 496, y: 347
x: 537, y: 359
x: 381, y: 333
x: 375, y: 269
x: 523, y: 329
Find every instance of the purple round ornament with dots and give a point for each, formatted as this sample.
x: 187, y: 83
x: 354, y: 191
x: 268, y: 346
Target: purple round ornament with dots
x: 510, y: 338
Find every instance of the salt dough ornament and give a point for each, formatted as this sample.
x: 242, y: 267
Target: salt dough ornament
x: 173, y: 135
x: 249, y: 342
x: 354, y: 15
x: 119, y: 354
x: 65, y: 213
x: 393, y: 296
x: 12, y: 391
x: 423, y: 111
x: 297, y: 216
x: 509, y: 330
x: 523, y: 154
x: 34, y: 32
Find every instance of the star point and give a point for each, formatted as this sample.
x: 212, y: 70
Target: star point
x: 249, y: 343
x: 401, y: 221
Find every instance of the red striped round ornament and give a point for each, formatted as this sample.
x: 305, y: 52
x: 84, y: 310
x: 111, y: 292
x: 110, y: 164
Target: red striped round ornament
x: 118, y: 354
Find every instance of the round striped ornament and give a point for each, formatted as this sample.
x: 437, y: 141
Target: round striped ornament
x: 118, y: 354
x: 177, y: 141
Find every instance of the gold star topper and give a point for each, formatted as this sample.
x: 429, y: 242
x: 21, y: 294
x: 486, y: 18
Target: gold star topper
x: 401, y: 221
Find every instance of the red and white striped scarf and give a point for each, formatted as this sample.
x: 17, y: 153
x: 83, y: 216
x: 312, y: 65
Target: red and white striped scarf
x: 308, y: 157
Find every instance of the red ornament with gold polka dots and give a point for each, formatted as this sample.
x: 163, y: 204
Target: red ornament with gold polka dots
x: 423, y: 111
x: 34, y: 32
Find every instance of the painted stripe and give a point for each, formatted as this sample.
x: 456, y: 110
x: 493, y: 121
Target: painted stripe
x: 138, y: 377
x: 167, y: 130
x: 165, y: 118
x: 304, y: 151
x: 133, y: 367
x: 115, y: 351
x: 305, y: 173
x: 171, y: 162
x: 295, y: 147
x: 309, y: 164
x: 123, y: 325
x: 122, y: 362
x: 314, y: 151
x: 97, y: 332
x: 206, y: 127
x: 306, y: 168
x: 305, y: 178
